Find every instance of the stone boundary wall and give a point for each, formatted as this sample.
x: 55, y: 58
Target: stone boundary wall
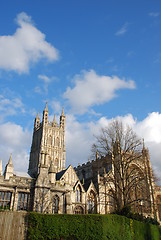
x: 13, y: 225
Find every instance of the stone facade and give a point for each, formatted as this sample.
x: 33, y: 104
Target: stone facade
x: 51, y: 188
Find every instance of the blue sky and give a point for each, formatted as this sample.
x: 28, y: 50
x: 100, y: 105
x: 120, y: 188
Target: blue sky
x: 100, y: 60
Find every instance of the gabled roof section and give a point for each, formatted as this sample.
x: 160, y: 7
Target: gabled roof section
x: 60, y: 174
x: 87, y: 184
x: 90, y: 187
x: 67, y: 175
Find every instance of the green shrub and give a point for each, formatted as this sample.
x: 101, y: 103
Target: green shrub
x: 89, y: 227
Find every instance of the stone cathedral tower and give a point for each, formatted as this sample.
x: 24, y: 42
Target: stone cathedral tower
x: 48, y: 144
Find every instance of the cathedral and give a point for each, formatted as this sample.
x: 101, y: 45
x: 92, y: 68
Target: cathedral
x: 50, y: 187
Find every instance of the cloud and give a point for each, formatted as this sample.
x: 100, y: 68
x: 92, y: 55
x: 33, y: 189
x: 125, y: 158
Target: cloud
x: 26, y: 46
x: 56, y: 106
x: 10, y: 106
x: 16, y: 140
x: 91, y: 89
x: 154, y: 14
x: 46, y: 81
x: 78, y: 141
x: 122, y: 30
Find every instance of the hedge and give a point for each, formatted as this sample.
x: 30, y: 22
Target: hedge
x: 89, y: 227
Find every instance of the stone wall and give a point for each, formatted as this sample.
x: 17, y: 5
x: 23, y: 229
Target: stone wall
x: 13, y: 225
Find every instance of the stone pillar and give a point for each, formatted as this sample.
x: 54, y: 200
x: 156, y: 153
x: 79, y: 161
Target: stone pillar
x: 15, y: 200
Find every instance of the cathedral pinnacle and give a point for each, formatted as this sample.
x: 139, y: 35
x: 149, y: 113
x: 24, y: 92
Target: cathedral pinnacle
x: 54, y: 119
x: 10, y: 160
x: 62, y: 112
x: 46, y: 108
x: 37, y: 116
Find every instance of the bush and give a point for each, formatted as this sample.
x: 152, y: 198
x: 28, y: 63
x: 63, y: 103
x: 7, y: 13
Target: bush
x: 126, y: 211
x: 89, y: 227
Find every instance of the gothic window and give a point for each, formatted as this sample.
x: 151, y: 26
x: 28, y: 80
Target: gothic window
x: 78, y: 210
x: 111, y: 201
x: 92, y: 203
x: 57, y: 142
x: 23, y: 201
x: 46, y: 117
x: 139, y: 193
x: 5, y: 200
x: 56, y: 163
x: 78, y: 194
x: 64, y: 204
x: 50, y: 140
x: 55, y: 206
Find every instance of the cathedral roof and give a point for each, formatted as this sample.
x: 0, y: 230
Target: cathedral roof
x: 60, y: 174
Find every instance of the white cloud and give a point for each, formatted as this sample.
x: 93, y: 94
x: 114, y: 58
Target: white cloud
x: 10, y: 106
x: 78, y: 141
x: 37, y: 89
x: 16, y: 140
x: 56, y: 106
x: 91, y: 89
x: 27, y: 45
x: 122, y: 30
x: 46, y: 81
x: 150, y: 127
x: 154, y: 14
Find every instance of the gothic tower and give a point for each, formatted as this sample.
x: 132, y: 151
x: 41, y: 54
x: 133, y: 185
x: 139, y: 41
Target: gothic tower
x: 48, y: 144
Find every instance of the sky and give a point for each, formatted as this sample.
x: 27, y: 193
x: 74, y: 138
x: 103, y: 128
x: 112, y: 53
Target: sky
x: 100, y: 60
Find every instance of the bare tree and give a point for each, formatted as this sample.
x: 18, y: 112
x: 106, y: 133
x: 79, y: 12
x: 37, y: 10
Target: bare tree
x: 126, y: 183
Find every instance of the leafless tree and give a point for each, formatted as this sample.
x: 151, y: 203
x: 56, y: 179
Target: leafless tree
x: 127, y: 183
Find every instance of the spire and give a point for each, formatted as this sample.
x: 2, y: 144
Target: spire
x: 45, y: 114
x: 10, y: 160
x: 63, y: 112
x: 9, y: 169
x: 54, y: 121
x: 37, y: 120
x: 46, y: 107
x: 1, y: 168
x: 62, y: 119
x: 37, y: 116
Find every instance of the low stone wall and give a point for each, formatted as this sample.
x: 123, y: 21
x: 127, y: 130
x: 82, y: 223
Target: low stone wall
x: 13, y: 225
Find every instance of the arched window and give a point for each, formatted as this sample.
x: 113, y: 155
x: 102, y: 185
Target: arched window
x: 57, y: 142
x: 56, y: 163
x: 55, y: 205
x: 78, y: 194
x: 92, y: 203
x: 50, y: 140
x: 111, y: 201
x: 78, y: 210
x: 139, y: 191
x: 46, y: 117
